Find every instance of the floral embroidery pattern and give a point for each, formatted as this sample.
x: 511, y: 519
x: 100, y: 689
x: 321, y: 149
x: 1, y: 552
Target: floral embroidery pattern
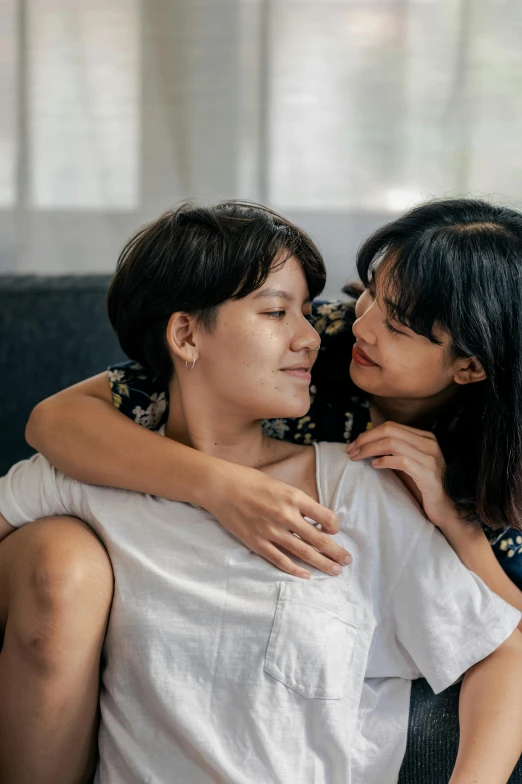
x: 508, y: 542
x: 348, y: 427
x: 275, y: 428
x: 152, y: 416
x: 116, y: 375
x: 511, y: 547
x: 507, y: 547
x: 133, y: 395
x: 303, y: 430
x: 328, y: 318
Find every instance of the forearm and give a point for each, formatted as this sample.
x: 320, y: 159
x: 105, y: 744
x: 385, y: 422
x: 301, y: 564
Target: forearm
x: 475, y: 552
x: 490, y: 719
x: 89, y: 440
x: 82, y: 434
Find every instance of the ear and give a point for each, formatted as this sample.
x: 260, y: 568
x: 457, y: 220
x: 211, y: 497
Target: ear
x: 469, y: 371
x: 181, y: 337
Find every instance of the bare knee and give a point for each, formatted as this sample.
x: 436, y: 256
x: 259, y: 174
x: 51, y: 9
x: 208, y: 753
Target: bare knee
x: 68, y: 566
x: 60, y: 592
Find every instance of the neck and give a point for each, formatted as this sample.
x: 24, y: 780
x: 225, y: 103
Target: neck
x: 417, y: 412
x: 206, y: 424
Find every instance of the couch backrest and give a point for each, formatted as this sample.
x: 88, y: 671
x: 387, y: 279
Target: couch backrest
x: 54, y: 331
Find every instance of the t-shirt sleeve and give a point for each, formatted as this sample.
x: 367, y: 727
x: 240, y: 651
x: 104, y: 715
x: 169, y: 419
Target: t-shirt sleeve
x: 137, y: 395
x: 34, y: 488
x: 444, y: 616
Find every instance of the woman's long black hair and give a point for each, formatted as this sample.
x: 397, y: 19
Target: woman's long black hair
x: 457, y: 263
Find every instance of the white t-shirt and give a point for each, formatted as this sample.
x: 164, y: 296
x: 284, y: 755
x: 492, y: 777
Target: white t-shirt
x: 222, y: 669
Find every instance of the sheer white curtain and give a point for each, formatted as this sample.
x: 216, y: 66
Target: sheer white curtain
x: 340, y: 112
x: 376, y: 104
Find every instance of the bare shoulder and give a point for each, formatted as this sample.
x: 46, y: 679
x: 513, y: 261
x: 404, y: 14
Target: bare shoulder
x: 277, y: 452
x: 293, y: 464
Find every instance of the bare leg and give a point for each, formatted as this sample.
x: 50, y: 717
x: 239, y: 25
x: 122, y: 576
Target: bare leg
x: 56, y: 588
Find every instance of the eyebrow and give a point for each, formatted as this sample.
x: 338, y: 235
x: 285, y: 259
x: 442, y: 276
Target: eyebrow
x: 278, y: 293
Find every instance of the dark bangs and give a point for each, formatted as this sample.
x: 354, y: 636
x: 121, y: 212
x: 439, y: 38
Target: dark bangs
x: 413, y: 284
x: 459, y: 275
x: 233, y: 247
x: 261, y: 241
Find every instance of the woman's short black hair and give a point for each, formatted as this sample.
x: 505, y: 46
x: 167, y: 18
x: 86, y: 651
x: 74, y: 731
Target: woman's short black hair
x: 192, y: 259
x: 457, y: 264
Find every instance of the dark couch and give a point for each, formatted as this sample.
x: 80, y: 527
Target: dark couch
x: 53, y: 333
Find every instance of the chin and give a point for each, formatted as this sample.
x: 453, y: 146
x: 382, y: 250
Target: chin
x: 363, y: 379
x: 293, y: 410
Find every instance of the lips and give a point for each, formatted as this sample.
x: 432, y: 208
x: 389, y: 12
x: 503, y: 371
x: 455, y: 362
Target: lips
x: 302, y: 372
x: 305, y: 367
x: 361, y: 358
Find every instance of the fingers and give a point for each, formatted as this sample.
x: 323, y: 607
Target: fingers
x: 319, y: 514
x: 296, y: 546
x: 305, y: 541
x: 392, y: 425
x: 400, y: 463
x: 319, y: 540
x: 426, y: 443
x: 417, y: 431
x: 392, y: 429
x: 395, y: 446
x: 273, y: 555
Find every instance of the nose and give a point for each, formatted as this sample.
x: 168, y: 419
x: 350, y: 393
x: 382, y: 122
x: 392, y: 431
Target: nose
x: 306, y: 338
x: 364, y: 327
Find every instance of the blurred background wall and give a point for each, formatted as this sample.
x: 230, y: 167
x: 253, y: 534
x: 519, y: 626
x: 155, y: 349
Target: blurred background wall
x: 340, y: 113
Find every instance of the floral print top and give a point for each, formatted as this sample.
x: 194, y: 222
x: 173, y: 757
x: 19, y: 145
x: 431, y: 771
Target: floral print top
x: 339, y: 410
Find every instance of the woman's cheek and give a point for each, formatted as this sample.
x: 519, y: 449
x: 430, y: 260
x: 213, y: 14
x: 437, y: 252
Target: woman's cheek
x: 396, y: 373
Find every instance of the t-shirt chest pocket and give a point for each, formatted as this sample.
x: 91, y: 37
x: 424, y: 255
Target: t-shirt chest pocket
x: 313, y: 639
